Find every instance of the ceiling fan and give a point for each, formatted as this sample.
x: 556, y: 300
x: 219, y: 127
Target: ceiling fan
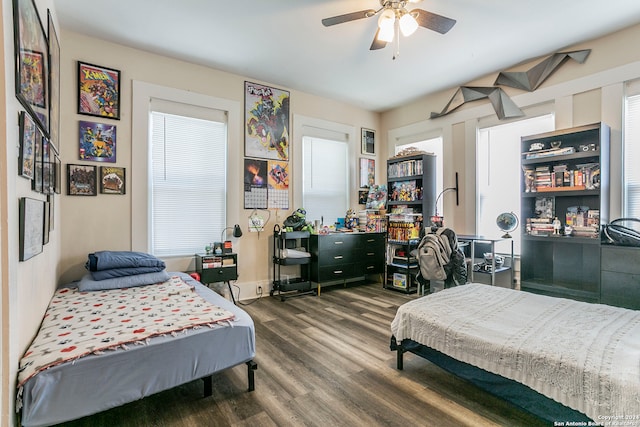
x: 395, y: 18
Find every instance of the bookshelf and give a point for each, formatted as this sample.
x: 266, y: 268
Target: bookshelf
x: 564, y: 199
x: 411, y: 186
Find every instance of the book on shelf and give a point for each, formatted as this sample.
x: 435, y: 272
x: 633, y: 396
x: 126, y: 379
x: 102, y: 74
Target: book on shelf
x: 400, y: 280
x: 405, y: 168
x: 552, y: 152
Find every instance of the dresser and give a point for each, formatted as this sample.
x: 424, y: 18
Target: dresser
x: 620, y: 276
x: 341, y: 257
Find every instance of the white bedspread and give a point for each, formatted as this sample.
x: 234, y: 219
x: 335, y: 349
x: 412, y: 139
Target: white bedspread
x: 586, y: 356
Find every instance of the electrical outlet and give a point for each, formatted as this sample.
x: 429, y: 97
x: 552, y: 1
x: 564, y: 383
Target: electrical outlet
x: 258, y: 289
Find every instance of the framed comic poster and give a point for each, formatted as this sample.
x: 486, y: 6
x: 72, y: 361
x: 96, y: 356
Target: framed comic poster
x: 81, y: 180
x: 28, y: 134
x: 112, y: 180
x: 31, y: 218
x: 266, y: 122
x: 98, y: 91
x: 36, y: 183
x: 32, y: 64
x: 47, y: 167
x: 97, y: 142
x: 57, y: 174
x: 368, y: 141
x: 54, y: 85
x: 367, y: 172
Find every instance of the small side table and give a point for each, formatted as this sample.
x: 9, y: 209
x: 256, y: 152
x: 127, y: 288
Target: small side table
x: 218, y: 268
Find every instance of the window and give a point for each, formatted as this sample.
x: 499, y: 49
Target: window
x: 433, y: 145
x: 187, y: 177
x: 632, y: 152
x: 498, y: 171
x: 325, y: 180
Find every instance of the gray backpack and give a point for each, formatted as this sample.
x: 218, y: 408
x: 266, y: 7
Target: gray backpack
x: 434, y: 253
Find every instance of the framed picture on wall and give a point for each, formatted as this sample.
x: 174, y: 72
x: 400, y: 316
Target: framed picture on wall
x: 32, y: 64
x: 367, y: 172
x: 28, y: 135
x: 54, y: 85
x: 81, y: 180
x: 112, y: 180
x: 97, y: 142
x: 31, y: 219
x: 98, y: 91
x: 368, y: 141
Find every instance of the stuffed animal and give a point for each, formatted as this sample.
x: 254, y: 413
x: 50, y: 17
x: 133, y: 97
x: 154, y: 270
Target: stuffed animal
x: 297, y: 221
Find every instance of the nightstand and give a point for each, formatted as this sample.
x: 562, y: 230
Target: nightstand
x: 218, y: 268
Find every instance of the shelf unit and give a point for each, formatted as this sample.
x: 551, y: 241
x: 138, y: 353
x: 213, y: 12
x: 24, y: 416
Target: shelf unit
x: 411, y: 186
x: 571, y: 183
x: 403, y: 236
x: 474, y: 248
x: 286, y: 286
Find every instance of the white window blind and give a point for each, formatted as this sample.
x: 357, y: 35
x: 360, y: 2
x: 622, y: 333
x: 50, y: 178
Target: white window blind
x: 631, y: 155
x: 325, y: 193
x: 498, y: 171
x: 188, y: 178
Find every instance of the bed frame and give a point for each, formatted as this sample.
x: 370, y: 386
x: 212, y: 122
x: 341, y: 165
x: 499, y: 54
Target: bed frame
x: 509, y: 390
x: 99, y: 382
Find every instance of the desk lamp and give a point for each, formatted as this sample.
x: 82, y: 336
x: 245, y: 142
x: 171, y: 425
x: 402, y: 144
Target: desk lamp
x: 237, y: 232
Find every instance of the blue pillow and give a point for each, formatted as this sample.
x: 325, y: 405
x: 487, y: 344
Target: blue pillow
x: 88, y: 284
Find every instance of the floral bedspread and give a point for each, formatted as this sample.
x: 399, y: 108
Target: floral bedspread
x: 80, y: 323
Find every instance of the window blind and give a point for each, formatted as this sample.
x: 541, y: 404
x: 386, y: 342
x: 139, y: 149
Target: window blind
x: 631, y: 155
x: 188, y: 180
x: 325, y: 179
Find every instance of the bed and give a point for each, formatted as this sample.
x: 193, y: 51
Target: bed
x: 582, y: 357
x: 104, y: 379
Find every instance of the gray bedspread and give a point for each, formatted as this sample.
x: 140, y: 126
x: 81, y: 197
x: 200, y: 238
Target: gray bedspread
x: 586, y: 356
x: 95, y: 383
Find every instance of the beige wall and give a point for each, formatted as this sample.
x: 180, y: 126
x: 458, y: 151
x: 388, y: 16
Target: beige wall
x: 26, y: 286
x: 105, y: 222
x: 577, y: 94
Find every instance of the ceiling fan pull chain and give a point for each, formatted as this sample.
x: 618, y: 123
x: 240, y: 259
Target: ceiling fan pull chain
x: 397, y: 28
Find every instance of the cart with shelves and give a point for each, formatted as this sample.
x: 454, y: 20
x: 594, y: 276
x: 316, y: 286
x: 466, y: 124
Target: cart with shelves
x: 291, y: 248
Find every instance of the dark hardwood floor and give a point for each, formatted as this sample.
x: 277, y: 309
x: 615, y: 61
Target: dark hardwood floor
x: 324, y: 361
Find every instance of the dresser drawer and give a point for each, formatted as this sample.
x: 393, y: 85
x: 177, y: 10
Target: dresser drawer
x: 337, y: 272
x: 621, y: 259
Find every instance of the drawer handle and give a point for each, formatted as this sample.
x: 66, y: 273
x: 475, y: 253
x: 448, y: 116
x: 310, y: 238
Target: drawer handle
x: 370, y: 253
x: 337, y: 272
x: 371, y: 267
x: 370, y: 240
x: 338, y: 243
x: 338, y: 257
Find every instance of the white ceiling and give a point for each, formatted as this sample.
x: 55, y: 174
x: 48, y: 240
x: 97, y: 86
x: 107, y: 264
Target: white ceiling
x: 283, y: 43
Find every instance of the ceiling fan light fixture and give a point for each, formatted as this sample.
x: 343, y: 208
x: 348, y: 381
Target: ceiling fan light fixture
x: 385, y: 33
x: 387, y: 18
x: 408, y: 24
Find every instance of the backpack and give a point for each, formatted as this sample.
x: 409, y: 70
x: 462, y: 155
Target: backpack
x: 434, y: 253
x: 615, y: 233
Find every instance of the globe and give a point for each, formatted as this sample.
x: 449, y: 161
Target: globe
x: 507, y: 222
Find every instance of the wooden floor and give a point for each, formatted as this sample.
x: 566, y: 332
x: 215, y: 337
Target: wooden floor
x: 324, y: 361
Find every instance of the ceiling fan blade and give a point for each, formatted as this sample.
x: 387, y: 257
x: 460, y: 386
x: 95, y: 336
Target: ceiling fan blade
x: 432, y: 21
x: 327, y: 22
x: 377, y: 44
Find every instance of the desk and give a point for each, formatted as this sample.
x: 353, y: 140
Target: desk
x: 472, y: 241
x: 218, y: 268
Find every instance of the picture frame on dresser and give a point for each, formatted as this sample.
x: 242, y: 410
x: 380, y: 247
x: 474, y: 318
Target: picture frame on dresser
x: 31, y: 61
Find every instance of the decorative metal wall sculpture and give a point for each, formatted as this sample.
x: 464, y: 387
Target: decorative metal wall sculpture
x: 530, y: 80
x: 504, y: 106
x: 526, y: 80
